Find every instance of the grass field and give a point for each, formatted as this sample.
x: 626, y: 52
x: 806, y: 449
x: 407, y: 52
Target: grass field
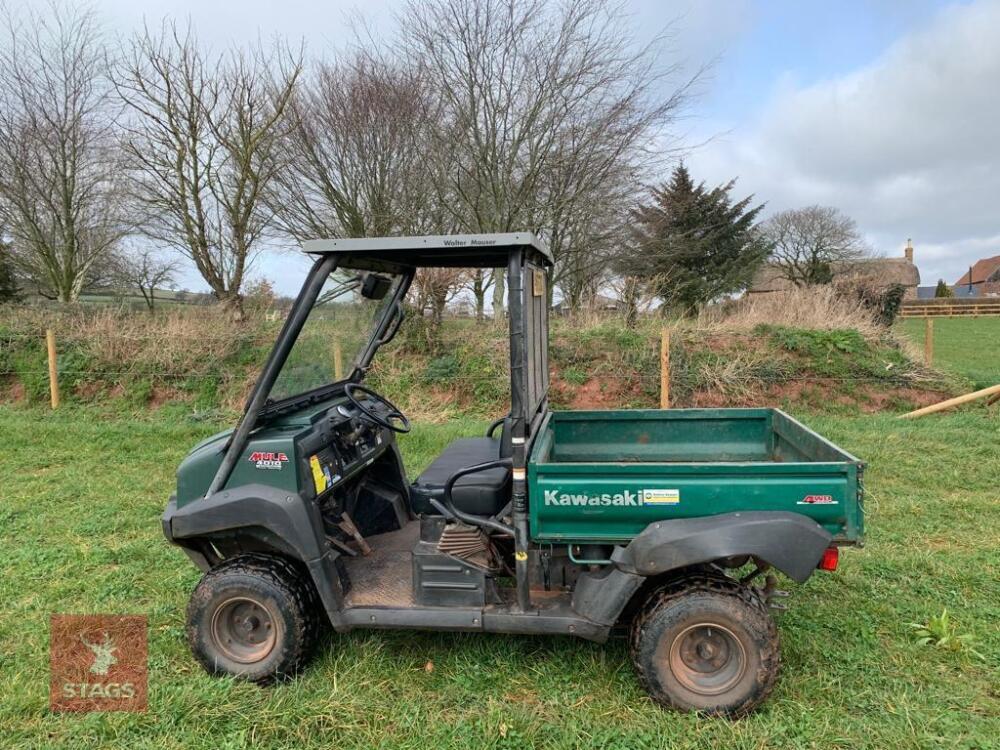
x: 79, y: 523
x: 967, y: 346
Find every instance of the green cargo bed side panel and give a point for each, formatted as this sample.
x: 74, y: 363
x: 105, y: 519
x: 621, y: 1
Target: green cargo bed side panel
x: 605, y: 476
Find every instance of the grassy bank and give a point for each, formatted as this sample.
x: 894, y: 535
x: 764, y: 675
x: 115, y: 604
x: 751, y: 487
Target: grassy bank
x: 82, y: 496
x: 197, y: 361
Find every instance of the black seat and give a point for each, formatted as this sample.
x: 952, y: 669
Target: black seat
x: 484, y: 493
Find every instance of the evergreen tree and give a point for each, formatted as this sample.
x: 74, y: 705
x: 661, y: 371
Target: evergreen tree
x: 943, y: 290
x: 694, y: 244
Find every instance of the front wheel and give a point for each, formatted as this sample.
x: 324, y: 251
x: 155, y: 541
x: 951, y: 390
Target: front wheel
x: 706, y: 644
x: 254, y: 617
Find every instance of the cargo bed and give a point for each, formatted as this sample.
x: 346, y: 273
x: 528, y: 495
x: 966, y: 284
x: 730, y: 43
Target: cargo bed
x: 606, y: 475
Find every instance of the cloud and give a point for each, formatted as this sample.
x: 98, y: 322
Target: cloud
x: 908, y: 145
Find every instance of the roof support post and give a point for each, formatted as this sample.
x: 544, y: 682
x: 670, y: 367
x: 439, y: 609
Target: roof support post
x: 519, y: 424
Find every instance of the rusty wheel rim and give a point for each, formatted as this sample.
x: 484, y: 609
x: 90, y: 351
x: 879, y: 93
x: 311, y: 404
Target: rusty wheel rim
x: 707, y: 659
x: 243, y: 630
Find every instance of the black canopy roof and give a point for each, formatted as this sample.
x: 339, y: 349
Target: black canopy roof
x: 433, y: 251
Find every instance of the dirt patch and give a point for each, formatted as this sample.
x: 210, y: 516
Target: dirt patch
x: 88, y: 390
x: 882, y: 399
x: 716, y: 400
x: 12, y: 391
x: 820, y: 392
x: 164, y: 394
x: 597, y: 393
x: 594, y: 394
x: 616, y: 393
x: 95, y: 390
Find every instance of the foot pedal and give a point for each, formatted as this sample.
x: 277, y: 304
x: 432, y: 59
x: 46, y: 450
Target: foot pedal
x: 342, y: 546
x: 347, y: 526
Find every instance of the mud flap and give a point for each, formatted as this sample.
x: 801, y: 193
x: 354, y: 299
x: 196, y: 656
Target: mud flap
x: 601, y: 596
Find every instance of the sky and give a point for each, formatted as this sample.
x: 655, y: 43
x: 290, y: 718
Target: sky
x: 888, y: 110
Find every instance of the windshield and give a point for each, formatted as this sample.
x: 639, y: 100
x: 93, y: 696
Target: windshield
x: 335, y: 335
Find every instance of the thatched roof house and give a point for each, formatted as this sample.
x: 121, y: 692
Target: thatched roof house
x: 881, y: 271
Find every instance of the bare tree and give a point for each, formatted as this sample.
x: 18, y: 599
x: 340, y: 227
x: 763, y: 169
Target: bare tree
x: 360, y: 165
x: 355, y: 152
x: 436, y: 287
x: 585, y: 234
x: 60, y: 195
x: 432, y: 290
x: 543, y: 106
x: 809, y: 245
x: 148, y: 270
x: 205, y: 140
x: 636, y: 293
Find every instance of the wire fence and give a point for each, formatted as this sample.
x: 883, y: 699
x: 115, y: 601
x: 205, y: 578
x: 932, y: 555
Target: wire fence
x: 628, y: 377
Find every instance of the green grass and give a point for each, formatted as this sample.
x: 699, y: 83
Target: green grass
x: 79, y: 524
x: 967, y: 346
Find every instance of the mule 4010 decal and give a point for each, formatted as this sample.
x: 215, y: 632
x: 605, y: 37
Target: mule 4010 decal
x: 268, y: 460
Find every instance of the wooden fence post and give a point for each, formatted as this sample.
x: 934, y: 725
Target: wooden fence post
x: 929, y: 340
x: 50, y: 341
x: 338, y: 360
x: 665, y: 369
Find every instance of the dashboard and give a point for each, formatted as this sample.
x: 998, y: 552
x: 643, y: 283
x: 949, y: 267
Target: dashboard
x: 341, y: 445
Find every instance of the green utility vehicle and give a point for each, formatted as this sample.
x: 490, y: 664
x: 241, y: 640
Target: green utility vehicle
x: 665, y: 526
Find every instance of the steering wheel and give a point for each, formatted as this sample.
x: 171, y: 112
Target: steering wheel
x: 395, y: 420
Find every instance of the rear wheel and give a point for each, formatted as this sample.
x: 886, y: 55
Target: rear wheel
x: 255, y: 617
x: 706, y: 644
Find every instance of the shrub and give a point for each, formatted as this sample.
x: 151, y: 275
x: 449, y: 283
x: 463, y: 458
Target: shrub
x: 442, y: 369
x: 882, y: 302
x: 817, y: 344
x: 943, y: 290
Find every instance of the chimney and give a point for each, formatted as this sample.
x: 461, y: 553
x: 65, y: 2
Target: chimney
x: 908, y: 251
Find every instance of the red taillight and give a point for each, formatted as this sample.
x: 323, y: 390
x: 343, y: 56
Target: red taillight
x: 830, y: 558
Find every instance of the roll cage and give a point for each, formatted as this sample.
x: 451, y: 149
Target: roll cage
x: 527, y: 261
